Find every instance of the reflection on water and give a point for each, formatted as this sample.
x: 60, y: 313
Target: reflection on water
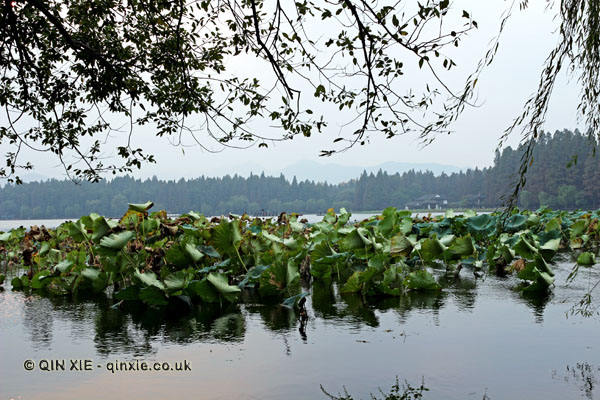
x: 397, y: 392
x: 583, y: 375
x: 467, y: 340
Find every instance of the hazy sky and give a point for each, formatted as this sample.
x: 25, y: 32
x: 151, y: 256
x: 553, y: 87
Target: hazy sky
x: 503, y: 89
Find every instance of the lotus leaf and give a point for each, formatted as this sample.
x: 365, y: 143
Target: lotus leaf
x: 586, y: 258
x: 153, y: 296
x: 421, y: 280
x: 481, y: 225
x: 16, y: 283
x: 221, y: 283
x: 401, y: 245
x: 462, y: 246
x: 525, y: 249
x: 516, y: 223
x: 252, y: 276
x: 149, y: 278
x: 355, y: 240
x: 129, y: 293
x: 209, y: 251
x: 431, y: 248
x: 203, y: 289
x: 141, y: 207
x: 117, y: 241
x: 40, y: 279
x: 291, y: 302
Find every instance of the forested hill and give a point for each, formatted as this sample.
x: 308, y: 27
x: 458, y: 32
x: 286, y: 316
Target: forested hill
x: 549, y: 182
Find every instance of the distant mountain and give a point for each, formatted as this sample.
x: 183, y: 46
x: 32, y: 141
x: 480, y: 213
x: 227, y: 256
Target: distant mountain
x: 333, y: 173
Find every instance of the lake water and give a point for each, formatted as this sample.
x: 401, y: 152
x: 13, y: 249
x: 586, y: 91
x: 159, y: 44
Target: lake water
x: 6, y: 225
x: 477, y: 339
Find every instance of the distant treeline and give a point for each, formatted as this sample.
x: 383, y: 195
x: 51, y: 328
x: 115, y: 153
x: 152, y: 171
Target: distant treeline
x: 549, y: 182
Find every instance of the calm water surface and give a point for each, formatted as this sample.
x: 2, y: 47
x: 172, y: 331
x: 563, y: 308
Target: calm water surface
x: 477, y: 339
x: 6, y: 225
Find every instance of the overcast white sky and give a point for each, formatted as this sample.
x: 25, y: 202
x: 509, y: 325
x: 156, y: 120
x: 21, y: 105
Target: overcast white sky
x: 503, y: 89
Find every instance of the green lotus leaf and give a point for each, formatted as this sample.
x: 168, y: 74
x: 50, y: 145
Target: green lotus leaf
x: 41, y: 279
x: 355, y: 240
x: 431, y: 248
x: 359, y: 280
x: 320, y: 270
x: 297, y: 226
x: 578, y: 228
x: 553, y: 225
x: 530, y: 272
x: 378, y: 262
x: 44, y: 249
x: 16, y: 283
x: 421, y: 280
x: 462, y: 246
x: 533, y: 220
x: 387, y: 224
x: 392, y: 283
x: 54, y: 256
x: 117, y: 241
x: 209, y: 251
x: 204, y: 290
x: 4, y: 237
x: 481, y: 224
x: 153, y: 296
x: 141, y: 207
x: 401, y: 245
x: 225, y: 237
x: 586, y: 258
x: 271, y: 237
x: 100, y: 279
x: 91, y: 273
x: 177, y: 256
x: 252, y: 276
x: 176, y: 281
x: 192, y: 252
x: 64, y: 265
x: 344, y: 217
x: 100, y: 228
x: 77, y: 230
x: 541, y: 281
x: 129, y: 293
x: 516, y: 223
x: 221, y: 283
x: 321, y: 251
x: 274, y: 279
x: 406, y: 225
x: 290, y: 302
x: 469, y: 213
x: 543, y: 266
x: 545, y: 236
x: 149, y: 278
x: 353, y: 283
x: 549, y: 249
x: 150, y: 225
x: 292, y: 273
x: 447, y: 240
x: 525, y: 249
x: 195, y: 216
